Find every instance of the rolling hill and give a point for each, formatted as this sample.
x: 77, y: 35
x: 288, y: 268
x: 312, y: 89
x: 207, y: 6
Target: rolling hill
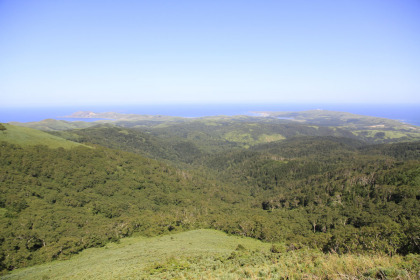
x: 316, y: 192
x: 251, y: 130
x: 28, y: 137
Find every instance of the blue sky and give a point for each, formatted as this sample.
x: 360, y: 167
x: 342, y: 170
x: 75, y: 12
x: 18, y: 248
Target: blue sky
x: 59, y: 53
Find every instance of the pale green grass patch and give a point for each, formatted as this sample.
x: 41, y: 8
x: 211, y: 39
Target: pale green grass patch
x: 266, y: 138
x: 135, y: 257
x: 211, y: 254
x: 239, y: 137
x: 248, y: 140
x: 388, y: 134
x: 125, y: 132
x: 28, y: 136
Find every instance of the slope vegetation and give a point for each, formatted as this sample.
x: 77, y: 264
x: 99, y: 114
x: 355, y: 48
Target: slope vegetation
x: 29, y: 136
x: 53, y: 125
x: 210, y: 254
x: 313, y: 190
x: 56, y: 202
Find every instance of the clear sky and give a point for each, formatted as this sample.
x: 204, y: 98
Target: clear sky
x: 73, y: 52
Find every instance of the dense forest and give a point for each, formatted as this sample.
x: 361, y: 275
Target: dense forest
x: 308, y: 186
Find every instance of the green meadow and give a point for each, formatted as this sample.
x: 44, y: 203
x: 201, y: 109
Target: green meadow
x: 28, y: 137
x: 211, y: 254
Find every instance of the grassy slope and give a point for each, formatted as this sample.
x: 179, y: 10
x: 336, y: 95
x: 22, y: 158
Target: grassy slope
x: 27, y: 136
x: 136, y: 255
x: 53, y: 125
x: 334, y: 118
x: 362, y: 126
x: 370, y: 129
x: 210, y: 254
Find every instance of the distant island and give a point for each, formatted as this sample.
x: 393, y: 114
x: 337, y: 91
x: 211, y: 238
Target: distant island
x: 111, y: 116
x: 83, y: 115
x: 307, y: 186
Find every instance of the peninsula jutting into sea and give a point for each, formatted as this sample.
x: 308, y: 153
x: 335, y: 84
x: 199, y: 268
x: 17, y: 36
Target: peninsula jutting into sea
x: 209, y: 140
x: 234, y: 195
x: 407, y: 113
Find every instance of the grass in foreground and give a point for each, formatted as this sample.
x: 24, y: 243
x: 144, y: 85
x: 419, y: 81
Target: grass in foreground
x: 210, y: 254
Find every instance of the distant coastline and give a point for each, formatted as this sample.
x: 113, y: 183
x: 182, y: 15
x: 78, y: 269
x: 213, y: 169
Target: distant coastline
x: 409, y: 114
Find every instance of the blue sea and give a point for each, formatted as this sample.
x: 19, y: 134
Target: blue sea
x: 406, y: 113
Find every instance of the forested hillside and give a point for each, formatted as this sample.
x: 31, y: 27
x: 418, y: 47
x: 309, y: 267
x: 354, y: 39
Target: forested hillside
x: 353, y: 200
x: 55, y: 202
x: 323, y: 188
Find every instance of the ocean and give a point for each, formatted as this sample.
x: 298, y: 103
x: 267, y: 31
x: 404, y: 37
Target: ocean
x: 408, y: 113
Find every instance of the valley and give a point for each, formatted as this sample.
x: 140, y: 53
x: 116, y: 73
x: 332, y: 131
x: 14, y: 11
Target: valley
x: 294, y: 189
